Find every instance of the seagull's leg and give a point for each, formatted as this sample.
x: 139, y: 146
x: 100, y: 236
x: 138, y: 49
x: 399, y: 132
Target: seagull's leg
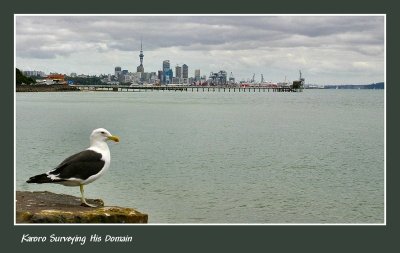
x: 83, y: 201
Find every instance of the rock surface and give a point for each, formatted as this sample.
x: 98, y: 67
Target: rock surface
x: 48, y: 207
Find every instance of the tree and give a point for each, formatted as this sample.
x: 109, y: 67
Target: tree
x: 21, y: 79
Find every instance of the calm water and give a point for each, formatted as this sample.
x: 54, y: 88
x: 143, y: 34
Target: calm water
x: 311, y: 157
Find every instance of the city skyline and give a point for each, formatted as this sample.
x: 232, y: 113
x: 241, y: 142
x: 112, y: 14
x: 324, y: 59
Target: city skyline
x: 328, y: 49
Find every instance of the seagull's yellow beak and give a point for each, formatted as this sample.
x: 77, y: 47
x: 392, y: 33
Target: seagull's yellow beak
x: 113, y: 138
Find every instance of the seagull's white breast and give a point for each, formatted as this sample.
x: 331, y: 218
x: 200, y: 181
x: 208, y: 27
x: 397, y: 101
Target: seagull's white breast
x: 103, y: 149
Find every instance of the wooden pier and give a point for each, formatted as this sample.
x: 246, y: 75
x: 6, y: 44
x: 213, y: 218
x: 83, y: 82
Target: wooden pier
x: 183, y: 88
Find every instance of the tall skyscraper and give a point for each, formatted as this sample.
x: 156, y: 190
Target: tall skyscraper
x: 167, y: 72
x: 178, y: 71
x: 185, y: 71
x: 197, y: 74
x: 117, y: 72
x: 140, y: 68
x: 160, y: 75
x: 165, y: 65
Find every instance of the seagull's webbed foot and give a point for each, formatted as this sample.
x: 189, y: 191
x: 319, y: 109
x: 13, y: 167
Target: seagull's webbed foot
x: 83, y: 200
x: 85, y: 204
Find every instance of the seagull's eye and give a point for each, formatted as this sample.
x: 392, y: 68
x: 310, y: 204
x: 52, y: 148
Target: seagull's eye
x: 102, y: 132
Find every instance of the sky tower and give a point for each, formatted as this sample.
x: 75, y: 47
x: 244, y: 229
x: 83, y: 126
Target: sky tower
x: 140, y: 68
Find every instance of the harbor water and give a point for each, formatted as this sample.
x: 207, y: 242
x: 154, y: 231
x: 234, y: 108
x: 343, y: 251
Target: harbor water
x: 217, y: 157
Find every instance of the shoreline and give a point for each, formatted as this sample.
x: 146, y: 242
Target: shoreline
x: 45, y: 88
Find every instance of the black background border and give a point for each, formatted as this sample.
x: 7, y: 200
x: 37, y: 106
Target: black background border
x: 203, y: 238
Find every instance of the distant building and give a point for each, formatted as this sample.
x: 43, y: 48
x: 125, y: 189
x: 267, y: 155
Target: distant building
x: 56, y: 78
x: 117, y: 72
x: 176, y: 80
x: 185, y: 71
x: 136, y: 77
x: 178, y: 71
x: 166, y: 65
x: 126, y: 78
x: 153, y: 77
x: 178, y: 74
x: 197, y: 74
x: 140, y: 69
x: 191, y: 80
x: 168, y: 76
x: 167, y: 72
x: 34, y: 73
x: 146, y: 76
x: 160, y: 75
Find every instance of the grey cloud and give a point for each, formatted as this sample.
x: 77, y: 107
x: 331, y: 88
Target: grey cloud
x: 124, y: 33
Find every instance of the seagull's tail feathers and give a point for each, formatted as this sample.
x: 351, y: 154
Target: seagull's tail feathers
x: 41, y: 179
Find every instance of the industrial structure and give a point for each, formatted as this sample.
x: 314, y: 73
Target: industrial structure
x: 219, y: 78
x: 299, y: 84
x: 231, y: 79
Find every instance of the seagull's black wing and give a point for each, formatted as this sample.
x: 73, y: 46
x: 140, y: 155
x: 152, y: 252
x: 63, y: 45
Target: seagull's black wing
x: 81, y: 165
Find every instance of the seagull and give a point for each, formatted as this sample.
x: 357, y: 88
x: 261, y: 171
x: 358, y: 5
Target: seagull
x: 82, y: 168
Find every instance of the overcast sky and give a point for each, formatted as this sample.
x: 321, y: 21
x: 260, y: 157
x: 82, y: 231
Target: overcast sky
x: 328, y: 49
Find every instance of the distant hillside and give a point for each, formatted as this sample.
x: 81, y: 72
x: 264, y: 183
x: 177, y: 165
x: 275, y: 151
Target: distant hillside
x: 376, y: 86
x: 371, y: 86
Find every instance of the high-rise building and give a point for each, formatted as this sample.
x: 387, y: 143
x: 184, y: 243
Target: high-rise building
x: 178, y: 71
x: 165, y: 65
x: 185, y: 71
x: 140, y: 68
x: 167, y: 72
x: 117, y: 72
x: 160, y: 75
x: 197, y: 74
x: 168, y: 76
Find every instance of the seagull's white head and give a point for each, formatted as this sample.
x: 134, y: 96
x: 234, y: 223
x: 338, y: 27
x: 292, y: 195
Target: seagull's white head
x: 101, y: 134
